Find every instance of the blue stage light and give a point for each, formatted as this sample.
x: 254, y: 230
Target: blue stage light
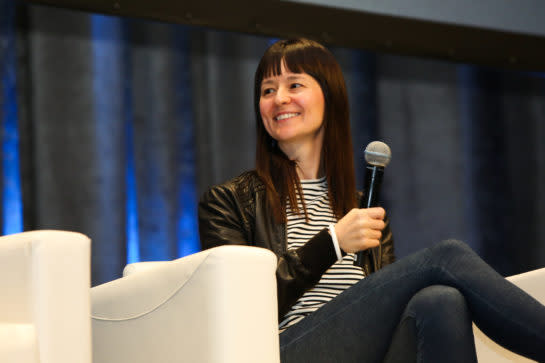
x: 12, y: 218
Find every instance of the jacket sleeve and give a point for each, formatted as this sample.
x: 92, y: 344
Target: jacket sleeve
x: 387, y: 253
x: 222, y: 220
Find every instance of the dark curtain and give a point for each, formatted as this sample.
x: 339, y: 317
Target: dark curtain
x: 108, y: 135
x: 123, y: 123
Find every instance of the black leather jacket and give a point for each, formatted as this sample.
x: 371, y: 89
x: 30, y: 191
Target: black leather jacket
x: 235, y: 213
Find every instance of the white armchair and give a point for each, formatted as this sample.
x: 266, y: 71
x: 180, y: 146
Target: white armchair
x: 44, y: 304
x: 217, y: 305
x: 533, y: 282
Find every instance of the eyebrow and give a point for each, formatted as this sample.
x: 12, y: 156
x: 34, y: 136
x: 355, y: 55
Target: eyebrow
x: 290, y: 78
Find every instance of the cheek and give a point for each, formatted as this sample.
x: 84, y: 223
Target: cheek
x: 264, y: 118
x: 322, y: 105
x: 316, y: 102
x: 318, y: 107
x: 322, y: 109
x: 263, y: 108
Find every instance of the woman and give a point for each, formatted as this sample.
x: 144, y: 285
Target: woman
x: 301, y: 203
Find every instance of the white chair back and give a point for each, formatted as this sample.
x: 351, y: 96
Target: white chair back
x: 216, y: 306
x: 45, y: 303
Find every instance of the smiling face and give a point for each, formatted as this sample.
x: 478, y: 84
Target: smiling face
x: 292, y: 108
x: 319, y: 111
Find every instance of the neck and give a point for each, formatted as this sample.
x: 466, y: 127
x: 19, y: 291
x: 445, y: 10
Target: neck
x: 307, y: 157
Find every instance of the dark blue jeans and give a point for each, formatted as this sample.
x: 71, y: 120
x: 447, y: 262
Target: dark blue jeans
x: 420, y: 309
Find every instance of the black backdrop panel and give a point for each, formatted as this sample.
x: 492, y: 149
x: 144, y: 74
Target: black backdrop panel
x: 373, y: 30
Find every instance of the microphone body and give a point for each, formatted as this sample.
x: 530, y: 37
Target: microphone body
x: 377, y: 155
x: 373, y: 181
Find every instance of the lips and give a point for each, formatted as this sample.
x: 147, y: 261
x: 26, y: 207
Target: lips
x: 287, y: 115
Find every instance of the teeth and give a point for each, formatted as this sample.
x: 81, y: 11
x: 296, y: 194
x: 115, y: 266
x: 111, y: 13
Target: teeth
x: 286, y: 115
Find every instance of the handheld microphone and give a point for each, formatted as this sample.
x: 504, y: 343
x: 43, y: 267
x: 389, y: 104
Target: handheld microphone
x: 378, y: 155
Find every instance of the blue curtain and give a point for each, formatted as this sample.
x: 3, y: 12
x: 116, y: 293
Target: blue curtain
x: 113, y: 127
x: 12, y: 213
x: 108, y: 134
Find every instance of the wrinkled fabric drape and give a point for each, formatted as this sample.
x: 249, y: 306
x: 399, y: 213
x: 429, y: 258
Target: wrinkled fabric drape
x: 108, y: 105
x: 77, y: 135
x: 116, y: 92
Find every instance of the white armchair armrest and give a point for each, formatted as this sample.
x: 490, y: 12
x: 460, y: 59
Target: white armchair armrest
x: 533, y: 282
x: 218, y: 305
x: 45, y: 305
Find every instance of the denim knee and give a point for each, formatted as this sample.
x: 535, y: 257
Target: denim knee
x: 452, y: 247
x: 442, y: 325
x: 436, y: 302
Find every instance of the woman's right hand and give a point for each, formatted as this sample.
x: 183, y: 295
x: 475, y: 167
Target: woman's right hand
x: 360, y: 229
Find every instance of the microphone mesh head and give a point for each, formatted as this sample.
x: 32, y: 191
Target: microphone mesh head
x: 378, y: 153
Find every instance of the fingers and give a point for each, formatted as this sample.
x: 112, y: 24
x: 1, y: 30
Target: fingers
x: 371, y: 234
x: 376, y: 212
x: 360, y: 229
x: 369, y: 243
x: 369, y: 238
x: 372, y: 218
x: 374, y: 224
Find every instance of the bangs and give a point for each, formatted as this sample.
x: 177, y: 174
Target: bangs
x: 298, y: 56
x: 272, y: 65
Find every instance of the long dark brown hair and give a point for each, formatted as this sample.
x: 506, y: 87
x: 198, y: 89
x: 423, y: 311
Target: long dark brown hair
x: 277, y: 172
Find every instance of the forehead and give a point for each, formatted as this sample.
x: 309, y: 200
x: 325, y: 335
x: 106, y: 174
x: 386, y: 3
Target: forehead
x: 275, y: 74
x: 286, y: 76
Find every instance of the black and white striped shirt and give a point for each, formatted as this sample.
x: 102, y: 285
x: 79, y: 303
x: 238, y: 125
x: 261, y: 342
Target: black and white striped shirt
x: 341, y: 275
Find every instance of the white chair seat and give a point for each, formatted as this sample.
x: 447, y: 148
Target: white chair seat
x: 19, y: 343
x: 533, y: 282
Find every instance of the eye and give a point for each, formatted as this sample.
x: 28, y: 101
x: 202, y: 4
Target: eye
x: 296, y: 85
x: 267, y: 91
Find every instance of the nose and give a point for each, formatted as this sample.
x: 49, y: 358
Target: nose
x: 282, y: 96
